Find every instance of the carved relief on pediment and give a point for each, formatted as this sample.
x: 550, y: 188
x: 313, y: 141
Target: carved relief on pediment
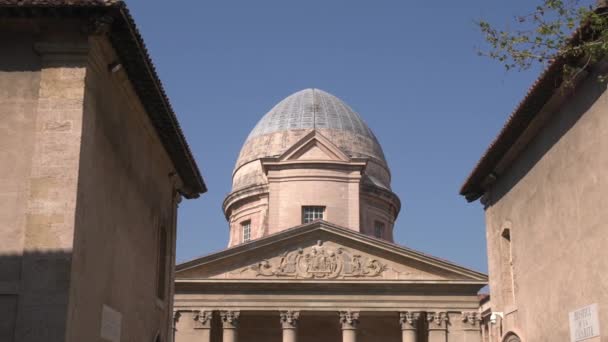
x: 327, y: 261
x: 319, y: 262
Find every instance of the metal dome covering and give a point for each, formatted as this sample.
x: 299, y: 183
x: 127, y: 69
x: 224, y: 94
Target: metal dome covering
x: 311, y: 109
x: 295, y: 116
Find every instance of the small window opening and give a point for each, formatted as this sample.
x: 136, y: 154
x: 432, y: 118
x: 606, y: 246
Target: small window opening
x: 508, y: 282
x: 246, y: 227
x: 312, y: 213
x: 379, y: 229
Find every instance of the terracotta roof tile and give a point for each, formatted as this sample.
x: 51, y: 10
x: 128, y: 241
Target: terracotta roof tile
x: 537, y: 96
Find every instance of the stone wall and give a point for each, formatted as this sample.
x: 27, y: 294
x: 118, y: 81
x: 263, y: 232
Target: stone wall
x: 125, y: 195
x: 41, y: 94
x: 84, y: 185
x: 551, y: 203
x: 19, y: 79
x: 290, y: 190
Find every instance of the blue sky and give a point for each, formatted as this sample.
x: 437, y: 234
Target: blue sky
x: 409, y: 68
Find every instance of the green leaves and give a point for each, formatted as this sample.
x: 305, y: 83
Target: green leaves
x: 549, y: 33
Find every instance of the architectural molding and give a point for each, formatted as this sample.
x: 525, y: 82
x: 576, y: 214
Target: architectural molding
x: 99, y: 25
x: 202, y: 319
x: 230, y: 319
x: 289, y: 319
x: 176, y: 316
x: 320, y: 262
x: 409, y: 320
x: 327, y: 232
x: 349, y: 320
x: 473, y: 318
x: 314, y: 138
x: 437, y: 320
x: 244, y: 194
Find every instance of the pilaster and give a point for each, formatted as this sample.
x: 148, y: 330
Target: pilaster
x: 349, y: 321
x: 471, y: 326
x: 289, y: 324
x: 437, y: 325
x: 202, y: 323
x: 230, y: 323
x: 409, y: 325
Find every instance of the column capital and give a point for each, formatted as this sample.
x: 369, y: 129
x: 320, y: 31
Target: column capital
x: 176, y: 316
x: 472, y: 318
x: 289, y: 319
x: 409, y: 320
x: 230, y: 319
x: 202, y: 319
x: 437, y: 320
x: 349, y: 319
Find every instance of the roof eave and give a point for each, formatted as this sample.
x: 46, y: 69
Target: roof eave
x: 138, y: 65
x: 541, y: 91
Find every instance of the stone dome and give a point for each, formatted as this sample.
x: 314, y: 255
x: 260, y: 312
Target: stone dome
x: 296, y: 116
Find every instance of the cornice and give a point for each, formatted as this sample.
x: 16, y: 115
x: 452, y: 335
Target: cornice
x: 242, y: 194
x: 339, y: 231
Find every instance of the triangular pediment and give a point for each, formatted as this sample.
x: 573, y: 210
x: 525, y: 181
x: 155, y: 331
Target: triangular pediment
x: 324, y: 252
x: 314, y: 146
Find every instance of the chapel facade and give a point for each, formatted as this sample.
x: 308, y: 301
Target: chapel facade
x: 311, y: 255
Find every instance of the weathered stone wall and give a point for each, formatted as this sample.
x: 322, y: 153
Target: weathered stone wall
x: 255, y: 211
x: 553, y: 201
x: 19, y: 87
x: 84, y: 184
x: 125, y: 194
x: 374, y: 209
x: 42, y: 87
x: 291, y: 189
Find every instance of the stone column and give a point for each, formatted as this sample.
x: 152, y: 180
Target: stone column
x: 437, y: 326
x: 289, y: 323
x: 176, y: 316
x: 230, y: 322
x: 202, y: 323
x: 409, y: 325
x: 349, y: 321
x: 471, y: 326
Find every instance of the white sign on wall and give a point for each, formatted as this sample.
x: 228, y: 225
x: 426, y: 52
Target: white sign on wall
x: 111, y: 321
x: 584, y: 323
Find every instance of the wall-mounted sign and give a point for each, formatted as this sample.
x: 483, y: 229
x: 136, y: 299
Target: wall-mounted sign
x: 584, y: 323
x: 111, y: 321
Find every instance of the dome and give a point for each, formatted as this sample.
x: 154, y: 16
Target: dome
x: 310, y: 109
x: 297, y: 115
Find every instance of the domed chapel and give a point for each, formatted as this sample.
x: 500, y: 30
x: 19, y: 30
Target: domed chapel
x: 311, y: 256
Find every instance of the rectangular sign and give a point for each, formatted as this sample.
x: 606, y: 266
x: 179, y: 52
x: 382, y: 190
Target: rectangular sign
x: 584, y: 323
x: 111, y: 321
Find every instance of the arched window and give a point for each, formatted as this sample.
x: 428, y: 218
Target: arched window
x: 511, y: 337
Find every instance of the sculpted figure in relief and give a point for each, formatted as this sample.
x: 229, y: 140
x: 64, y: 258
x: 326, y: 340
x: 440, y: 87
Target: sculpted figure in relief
x: 320, y: 262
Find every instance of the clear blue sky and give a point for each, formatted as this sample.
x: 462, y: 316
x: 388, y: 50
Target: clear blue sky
x: 408, y: 67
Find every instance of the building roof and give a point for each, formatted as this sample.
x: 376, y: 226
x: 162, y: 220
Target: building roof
x: 539, y: 94
x: 131, y: 50
x: 296, y: 116
x: 311, y: 108
x: 330, y: 231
